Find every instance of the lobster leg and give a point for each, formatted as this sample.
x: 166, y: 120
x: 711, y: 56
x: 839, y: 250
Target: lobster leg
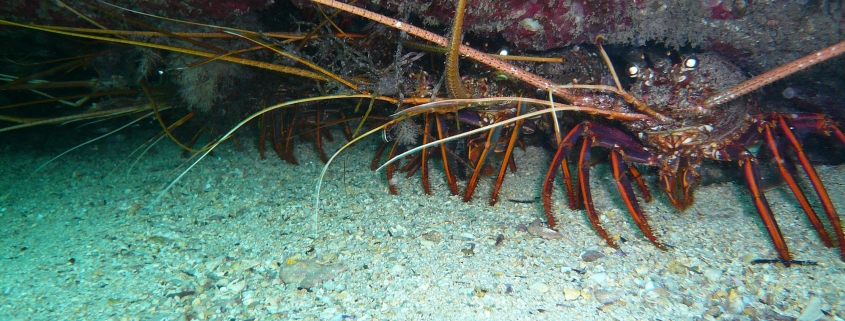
x: 571, y: 192
x: 375, y: 162
x: 793, y: 185
x: 347, y: 131
x: 563, y: 150
x: 832, y: 216
x: 412, y: 166
x: 668, y: 183
x: 277, y: 123
x: 749, y: 168
x: 635, y: 174
x: 623, y: 148
x: 424, y: 154
x: 512, y: 163
x: 440, y: 121
x: 584, y: 188
x: 838, y: 134
x: 679, y: 185
x: 620, y: 169
x: 690, y: 177
x: 507, y: 159
x: 415, y: 164
x: 289, y: 156
x: 489, y: 148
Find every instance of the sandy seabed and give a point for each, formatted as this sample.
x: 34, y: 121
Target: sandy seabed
x: 237, y: 239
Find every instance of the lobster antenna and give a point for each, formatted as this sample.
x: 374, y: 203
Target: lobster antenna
x: 776, y: 74
x: 453, y: 79
x: 606, y: 59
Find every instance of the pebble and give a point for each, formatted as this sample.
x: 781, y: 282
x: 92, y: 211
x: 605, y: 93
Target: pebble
x: 571, y: 294
x: 536, y: 228
x: 591, y: 256
x: 432, y: 236
x: 649, y: 285
x: 605, y: 297
x: 586, y: 293
x: 308, y: 274
x: 330, y: 285
x: 813, y: 310
x: 713, y: 274
x: 236, y: 286
x: 661, y: 292
x: 539, y: 287
x: 397, y: 269
x: 765, y: 297
x: 598, y: 278
x: 641, y: 270
x: 336, y: 246
x: 329, y: 313
x: 342, y: 317
x: 465, y: 236
x: 398, y: 231
x: 479, y: 292
x: 735, y: 303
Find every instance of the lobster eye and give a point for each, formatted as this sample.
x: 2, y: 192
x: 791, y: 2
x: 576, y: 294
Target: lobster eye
x: 633, y: 71
x: 690, y: 63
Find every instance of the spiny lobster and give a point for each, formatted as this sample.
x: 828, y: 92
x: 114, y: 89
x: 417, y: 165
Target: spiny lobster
x: 684, y: 113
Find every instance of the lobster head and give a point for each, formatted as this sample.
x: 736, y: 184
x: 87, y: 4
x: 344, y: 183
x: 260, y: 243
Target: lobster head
x: 677, y: 86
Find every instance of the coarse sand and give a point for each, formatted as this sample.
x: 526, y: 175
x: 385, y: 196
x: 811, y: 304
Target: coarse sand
x: 236, y: 239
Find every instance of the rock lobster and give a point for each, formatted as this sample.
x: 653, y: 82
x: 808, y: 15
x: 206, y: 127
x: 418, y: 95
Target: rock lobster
x: 681, y: 113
